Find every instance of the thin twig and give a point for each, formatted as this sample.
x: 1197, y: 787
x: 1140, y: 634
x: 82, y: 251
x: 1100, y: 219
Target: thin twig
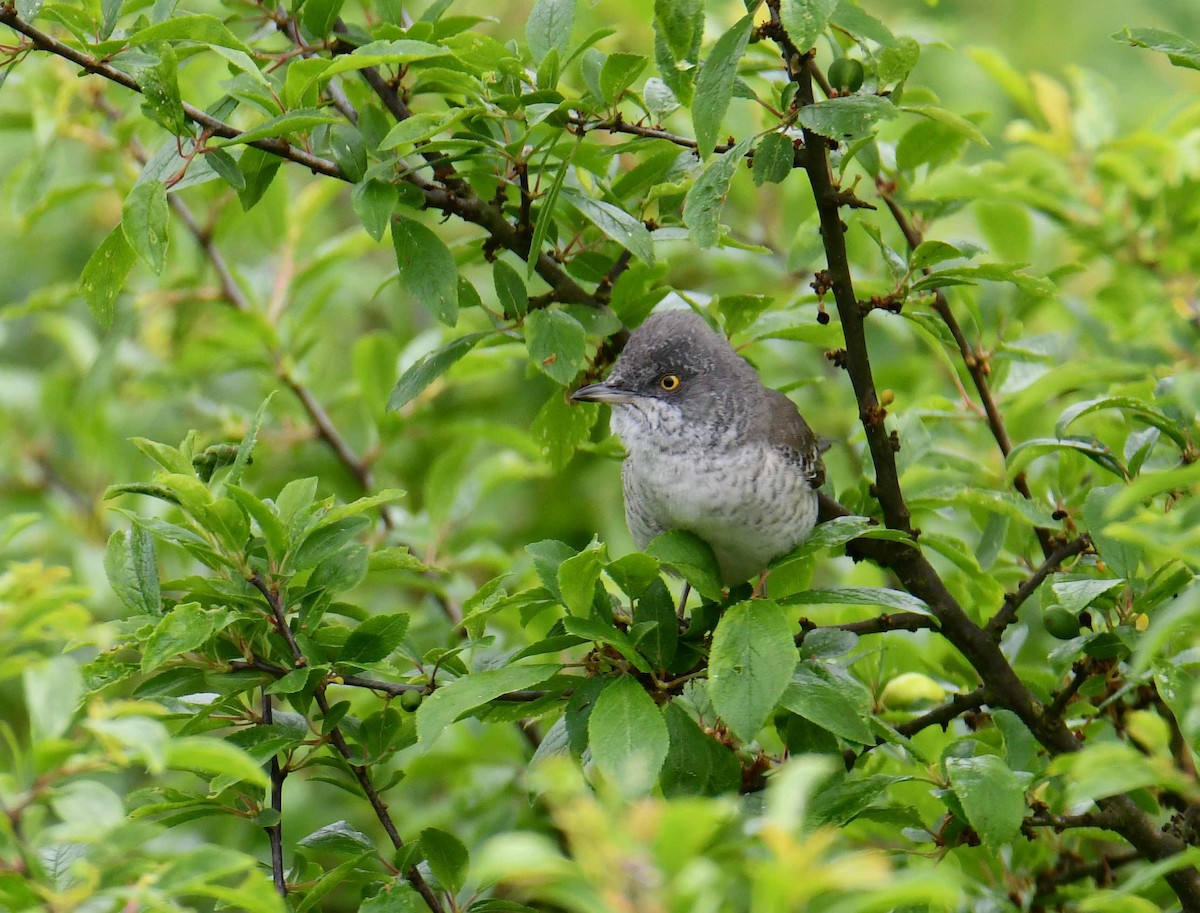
x: 280, y: 615
x: 975, y: 362
x: 942, y: 715
x: 1007, y: 613
x: 360, y: 772
x: 363, y: 776
x: 1068, y: 872
x: 1080, y: 673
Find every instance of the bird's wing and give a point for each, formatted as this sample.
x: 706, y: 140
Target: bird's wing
x: 788, y: 429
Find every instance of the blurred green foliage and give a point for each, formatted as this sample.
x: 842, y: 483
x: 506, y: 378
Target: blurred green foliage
x: 368, y: 447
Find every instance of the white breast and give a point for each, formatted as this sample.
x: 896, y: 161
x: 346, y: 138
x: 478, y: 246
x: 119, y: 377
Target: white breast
x: 750, y: 504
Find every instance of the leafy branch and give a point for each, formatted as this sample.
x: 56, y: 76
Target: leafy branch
x: 1003, y: 685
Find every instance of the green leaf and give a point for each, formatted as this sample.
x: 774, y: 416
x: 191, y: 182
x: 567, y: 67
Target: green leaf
x: 327, y: 539
x: 655, y: 625
x: 852, y: 18
x: 992, y: 796
x: 614, y: 222
x: 848, y: 117
x: 144, y: 219
x: 1036, y: 286
x: 947, y: 118
x: 545, y: 216
x: 421, y: 127
x: 186, y: 627
x: 87, y: 807
x: 510, y: 290
x: 702, y: 206
x: 750, y: 664
x: 577, y: 577
x: 340, y: 838
x: 1122, y: 557
x: 805, y: 20
x: 1076, y: 595
x: 319, y: 16
x: 395, y: 559
x: 259, y: 169
x: 819, y: 698
x: 428, y: 368
x: 929, y: 253
x: 1131, y: 404
x: 560, y: 428
x: 374, y: 202
x: 1108, y: 769
x: 557, y: 343
x: 714, y: 85
x: 633, y: 573
x: 375, y: 638
x: 692, y: 557
x: 678, y: 22
x: 293, y: 122
x: 428, y: 273
x: 627, y: 736
x: 896, y: 62
x: 205, y: 755
x: 398, y: 897
x: 447, y: 858
x: 400, y: 52
x: 696, y: 763
x: 843, y: 801
x: 268, y: 522
x: 549, y: 27
x: 201, y: 28
x: 53, y: 689
x: 246, y: 445
x: 1028, y: 451
x: 618, y: 74
x: 773, y: 159
x: 160, y: 89
x: 860, y: 595
x: 132, y: 570
x: 104, y: 275
x: 604, y: 632
x: 1182, y: 52
x: 454, y: 701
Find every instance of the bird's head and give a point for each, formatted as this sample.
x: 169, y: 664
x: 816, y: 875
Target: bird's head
x: 674, y: 374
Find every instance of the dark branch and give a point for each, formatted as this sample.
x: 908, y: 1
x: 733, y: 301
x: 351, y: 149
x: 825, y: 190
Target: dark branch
x: 947, y: 712
x: 275, y: 831
x: 889, y: 621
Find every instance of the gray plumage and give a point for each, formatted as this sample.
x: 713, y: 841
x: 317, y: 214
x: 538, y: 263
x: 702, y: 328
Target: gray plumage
x: 719, y: 455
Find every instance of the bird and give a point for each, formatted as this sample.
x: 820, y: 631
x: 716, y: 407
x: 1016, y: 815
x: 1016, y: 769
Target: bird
x: 709, y: 448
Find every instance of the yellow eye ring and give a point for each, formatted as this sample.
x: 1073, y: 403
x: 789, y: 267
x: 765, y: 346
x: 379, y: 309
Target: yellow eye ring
x: 669, y: 382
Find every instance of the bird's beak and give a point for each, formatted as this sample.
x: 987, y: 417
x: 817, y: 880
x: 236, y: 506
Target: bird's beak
x: 602, y: 393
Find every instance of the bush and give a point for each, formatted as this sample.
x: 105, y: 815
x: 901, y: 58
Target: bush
x: 301, y: 688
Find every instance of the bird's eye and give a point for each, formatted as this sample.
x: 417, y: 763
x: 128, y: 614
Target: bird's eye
x: 669, y: 382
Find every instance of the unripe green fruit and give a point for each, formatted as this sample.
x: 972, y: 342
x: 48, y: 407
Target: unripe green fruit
x: 846, y: 74
x: 411, y: 700
x: 910, y: 688
x: 1060, y: 622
